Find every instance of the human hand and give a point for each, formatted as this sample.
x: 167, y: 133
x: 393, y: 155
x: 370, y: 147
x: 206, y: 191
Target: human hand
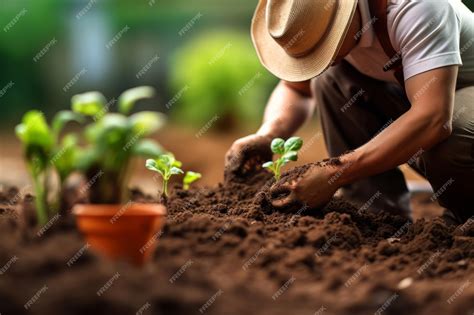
x: 311, y: 185
x: 246, y: 156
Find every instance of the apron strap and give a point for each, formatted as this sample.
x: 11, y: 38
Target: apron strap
x: 378, y: 8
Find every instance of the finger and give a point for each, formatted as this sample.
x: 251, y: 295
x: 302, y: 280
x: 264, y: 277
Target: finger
x: 280, y: 190
x: 283, y: 203
x: 235, y: 158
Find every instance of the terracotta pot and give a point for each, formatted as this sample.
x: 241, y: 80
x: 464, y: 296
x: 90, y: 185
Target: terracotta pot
x: 122, y: 232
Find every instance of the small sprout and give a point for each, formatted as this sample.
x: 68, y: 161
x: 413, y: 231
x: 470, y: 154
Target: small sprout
x: 128, y: 98
x: 166, y: 165
x: 89, y: 103
x: 190, y: 178
x: 288, y: 151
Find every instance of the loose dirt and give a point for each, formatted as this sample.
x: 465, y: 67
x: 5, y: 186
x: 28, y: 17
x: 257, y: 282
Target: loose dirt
x: 222, y: 253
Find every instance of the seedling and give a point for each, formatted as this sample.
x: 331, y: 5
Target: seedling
x: 166, y: 165
x: 288, y: 151
x: 113, y: 139
x: 44, y: 153
x: 190, y: 178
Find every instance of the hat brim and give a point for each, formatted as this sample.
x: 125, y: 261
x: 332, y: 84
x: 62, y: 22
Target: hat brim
x: 296, y: 69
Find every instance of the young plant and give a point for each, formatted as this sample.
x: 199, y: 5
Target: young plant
x: 166, y: 165
x: 112, y: 139
x: 45, y: 153
x: 190, y: 178
x: 288, y: 151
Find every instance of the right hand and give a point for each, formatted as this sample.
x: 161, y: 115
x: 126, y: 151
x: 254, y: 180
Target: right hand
x: 246, y: 156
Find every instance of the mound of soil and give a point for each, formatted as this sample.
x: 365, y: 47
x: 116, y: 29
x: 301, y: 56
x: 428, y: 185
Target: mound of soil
x: 222, y: 253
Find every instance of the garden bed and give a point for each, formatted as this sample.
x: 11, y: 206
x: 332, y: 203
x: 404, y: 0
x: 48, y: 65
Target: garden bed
x: 222, y: 253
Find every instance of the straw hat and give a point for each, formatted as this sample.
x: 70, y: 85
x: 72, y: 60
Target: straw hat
x: 297, y: 40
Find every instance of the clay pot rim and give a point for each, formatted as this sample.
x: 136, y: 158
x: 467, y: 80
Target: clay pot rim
x: 108, y: 210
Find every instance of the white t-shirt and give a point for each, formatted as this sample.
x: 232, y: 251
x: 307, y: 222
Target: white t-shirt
x: 429, y: 34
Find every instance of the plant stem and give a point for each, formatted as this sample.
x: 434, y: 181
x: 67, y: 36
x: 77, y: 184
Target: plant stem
x: 277, y: 170
x: 40, y: 202
x: 165, y: 187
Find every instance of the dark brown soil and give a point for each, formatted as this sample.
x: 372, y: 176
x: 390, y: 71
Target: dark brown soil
x: 221, y: 253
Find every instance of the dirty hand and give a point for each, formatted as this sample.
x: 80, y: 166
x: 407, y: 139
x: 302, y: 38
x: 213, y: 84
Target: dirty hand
x: 313, y: 189
x: 246, y: 156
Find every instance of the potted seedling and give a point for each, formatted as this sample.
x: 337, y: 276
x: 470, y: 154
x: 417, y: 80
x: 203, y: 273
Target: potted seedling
x: 166, y: 165
x: 48, y: 155
x: 287, y: 151
x: 111, y: 222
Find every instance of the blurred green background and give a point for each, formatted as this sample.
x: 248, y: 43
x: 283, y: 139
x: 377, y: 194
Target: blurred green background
x: 197, y: 54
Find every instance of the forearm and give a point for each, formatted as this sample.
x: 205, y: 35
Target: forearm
x: 424, y: 125
x: 406, y: 138
x: 286, y: 110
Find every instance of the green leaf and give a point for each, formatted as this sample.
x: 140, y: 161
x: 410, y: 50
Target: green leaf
x: 277, y: 146
x: 86, y: 158
x: 290, y: 156
x: 191, y: 177
x: 89, y: 103
x: 64, y: 159
x: 175, y: 170
x: 268, y: 164
x: 113, y: 128
x: 35, y: 131
x: 147, y: 148
x: 62, y: 118
x: 293, y: 144
x: 152, y: 165
x: 176, y: 163
x: 128, y: 98
x: 163, y: 163
x: 145, y: 123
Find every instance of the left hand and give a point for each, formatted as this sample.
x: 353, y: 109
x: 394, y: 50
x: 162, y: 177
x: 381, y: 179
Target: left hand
x: 314, y: 188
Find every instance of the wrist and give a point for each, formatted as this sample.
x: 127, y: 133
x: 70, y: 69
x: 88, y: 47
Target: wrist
x: 346, y: 171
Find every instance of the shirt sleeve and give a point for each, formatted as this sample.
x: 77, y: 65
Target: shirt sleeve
x: 427, y: 35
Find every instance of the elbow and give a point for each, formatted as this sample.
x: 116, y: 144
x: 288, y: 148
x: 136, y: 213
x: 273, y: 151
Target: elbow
x: 442, y: 127
x: 445, y: 130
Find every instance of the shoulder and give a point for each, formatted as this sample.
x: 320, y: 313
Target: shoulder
x: 406, y: 15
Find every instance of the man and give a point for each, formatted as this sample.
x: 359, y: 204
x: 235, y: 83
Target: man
x: 394, y: 83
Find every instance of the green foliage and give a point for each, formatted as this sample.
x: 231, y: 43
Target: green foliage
x: 166, y: 165
x: 43, y: 151
x: 131, y: 96
x: 190, y: 178
x: 288, y: 151
x: 112, y: 139
x: 218, y: 73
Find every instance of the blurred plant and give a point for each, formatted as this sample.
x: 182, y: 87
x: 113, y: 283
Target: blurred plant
x: 166, y: 165
x: 218, y: 73
x: 190, y: 178
x: 112, y: 139
x: 288, y: 151
x: 44, y: 151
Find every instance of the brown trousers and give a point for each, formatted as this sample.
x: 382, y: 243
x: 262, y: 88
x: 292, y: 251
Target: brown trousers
x: 354, y: 108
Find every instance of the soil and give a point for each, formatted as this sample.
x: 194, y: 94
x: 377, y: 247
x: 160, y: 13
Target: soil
x: 222, y: 253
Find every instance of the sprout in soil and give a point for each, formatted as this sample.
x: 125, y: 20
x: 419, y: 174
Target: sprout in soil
x: 112, y: 139
x: 288, y: 151
x: 45, y: 153
x: 166, y: 165
x: 190, y: 178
